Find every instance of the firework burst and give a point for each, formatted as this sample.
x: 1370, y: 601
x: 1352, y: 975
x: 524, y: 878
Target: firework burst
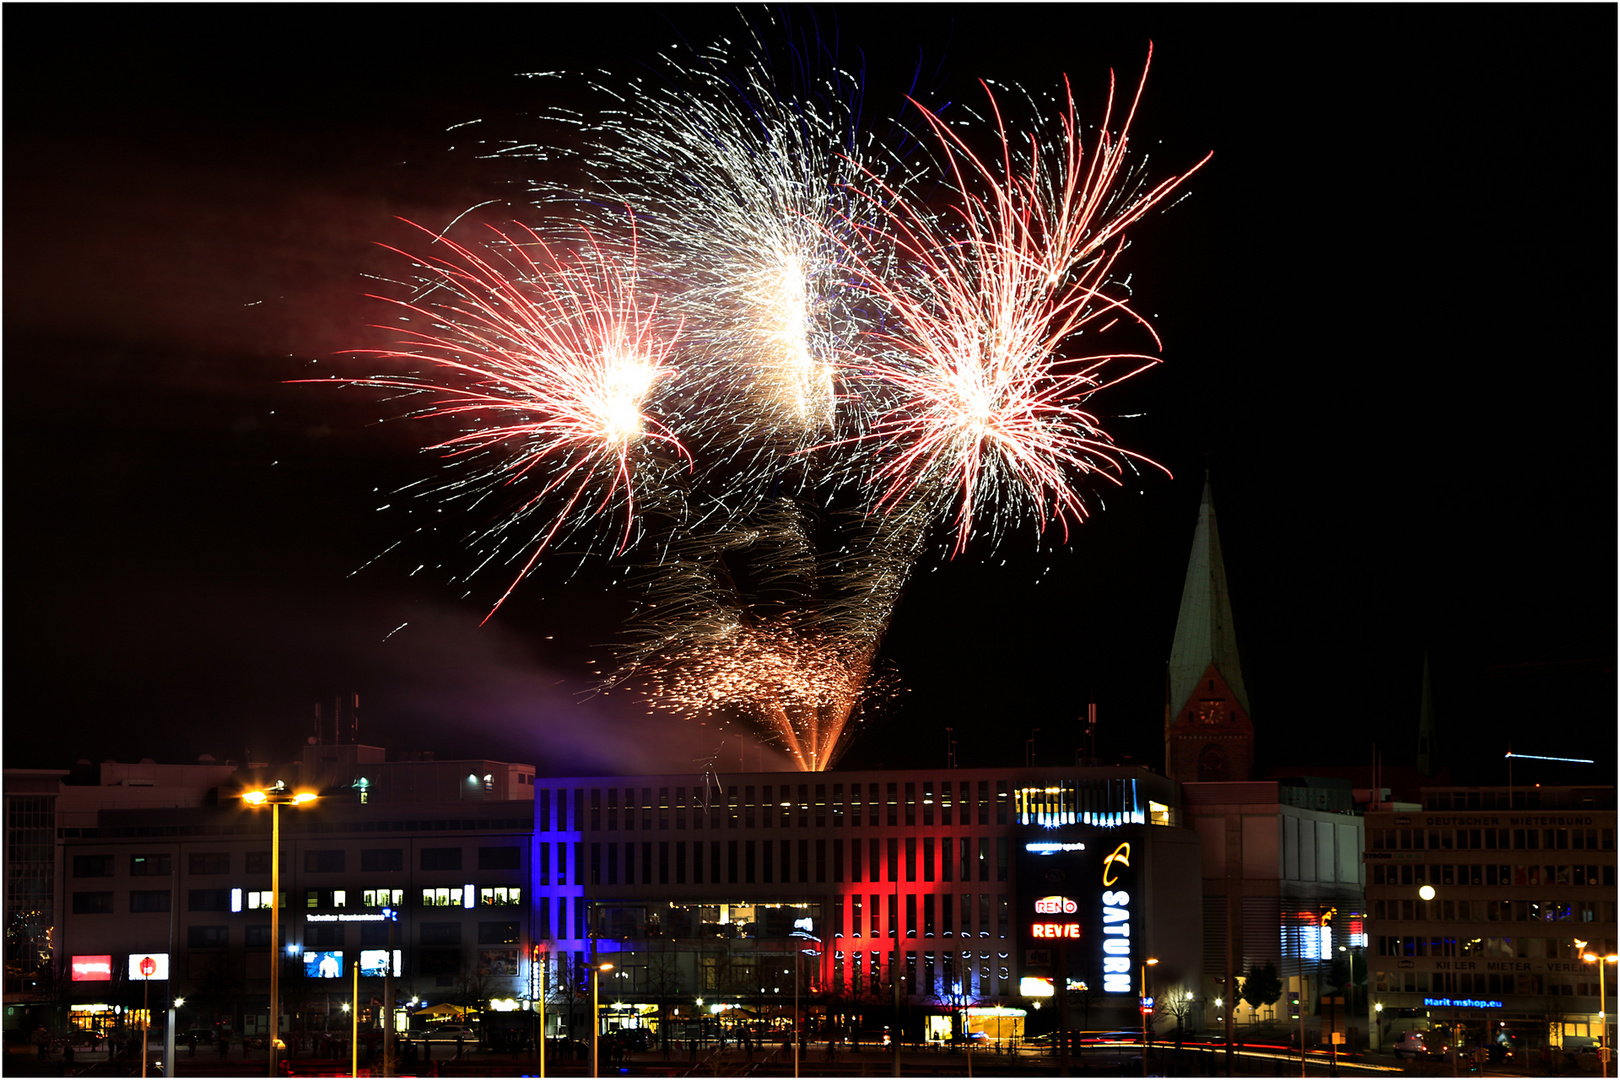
x: 980, y: 399
x: 548, y: 361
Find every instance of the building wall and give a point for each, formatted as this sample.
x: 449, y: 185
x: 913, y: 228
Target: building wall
x: 1518, y: 878
x: 195, y: 883
x: 1271, y: 870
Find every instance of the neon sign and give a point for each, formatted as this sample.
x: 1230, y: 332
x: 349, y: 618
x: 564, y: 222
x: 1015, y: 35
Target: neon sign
x: 1461, y: 1003
x: 1055, y: 905
x: 1055, y: 930
x: 92, y: 969
x: 1116, y: 924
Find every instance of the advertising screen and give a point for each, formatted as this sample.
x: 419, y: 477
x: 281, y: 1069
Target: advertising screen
x: 323, y: 965
x: 92, y: 969
x: 374, y: 963
x: 148, y: 965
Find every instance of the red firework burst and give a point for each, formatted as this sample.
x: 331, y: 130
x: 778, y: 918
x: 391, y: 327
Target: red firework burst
x: 978, y: 394
x: 550, y: 361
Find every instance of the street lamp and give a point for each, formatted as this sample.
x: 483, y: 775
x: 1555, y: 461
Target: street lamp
x: 596, y: 1016
x: 1603, y: 1013
x: 276, y: 797
x: 798, y: 956
x: 1146, y: 1008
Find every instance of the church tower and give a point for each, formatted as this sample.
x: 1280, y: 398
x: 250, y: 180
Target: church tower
x: 1207, y: 732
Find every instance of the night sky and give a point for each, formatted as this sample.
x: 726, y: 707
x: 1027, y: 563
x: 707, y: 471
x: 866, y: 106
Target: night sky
x: 1387, y: 307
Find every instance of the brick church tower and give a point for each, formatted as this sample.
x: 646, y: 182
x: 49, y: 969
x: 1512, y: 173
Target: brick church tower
x: 1207, y: 732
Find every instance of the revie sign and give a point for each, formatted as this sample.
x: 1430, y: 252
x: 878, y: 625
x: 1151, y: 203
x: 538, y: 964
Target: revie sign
x: 1055, y: 905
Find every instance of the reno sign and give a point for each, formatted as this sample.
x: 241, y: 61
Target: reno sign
x: 1116, y: 921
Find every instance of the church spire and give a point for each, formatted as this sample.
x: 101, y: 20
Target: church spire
x: 1208, y: 735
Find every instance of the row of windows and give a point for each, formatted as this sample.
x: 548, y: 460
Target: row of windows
x: 1482, y: 983
x: 372, y: 935
x: 1601, y: 911
x: 153, y: 900
x: 315, y: 861
x: 873, y: 924
x: 301, y: 825
x: 750, y: 862
x: 1515, y: 874
x: 1489, y: 948
x: 776, y: 805
x: 1560, y: 839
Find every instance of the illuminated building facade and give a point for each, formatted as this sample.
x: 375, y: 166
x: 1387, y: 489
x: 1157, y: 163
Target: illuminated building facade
x: 1519, y: 875
x: 940, y: 889
x: 156, y: 862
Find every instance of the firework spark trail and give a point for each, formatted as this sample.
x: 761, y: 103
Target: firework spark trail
x: 550, y: 366
x: 773, y: 623
x: 980, y: 399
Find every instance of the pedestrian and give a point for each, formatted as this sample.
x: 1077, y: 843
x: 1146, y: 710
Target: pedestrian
x: 67, y: 1055
x: 461, y: 1043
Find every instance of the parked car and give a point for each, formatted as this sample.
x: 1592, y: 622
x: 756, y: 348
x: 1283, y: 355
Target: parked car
x: 1416, y: 1044
x: 444, y: 1033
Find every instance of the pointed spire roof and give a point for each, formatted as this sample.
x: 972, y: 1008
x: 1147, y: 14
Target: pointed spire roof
x: 1205, y: 634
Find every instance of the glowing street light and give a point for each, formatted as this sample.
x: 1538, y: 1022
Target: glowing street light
x: 1603, y: 1012
x: 276, y: 797
x: 596, y: 1013
x: 1146, y: 1009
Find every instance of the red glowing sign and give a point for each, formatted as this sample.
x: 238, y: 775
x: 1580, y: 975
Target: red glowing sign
x: 1055, y: 905
x: 92, y: 968
x: 1055, y: 930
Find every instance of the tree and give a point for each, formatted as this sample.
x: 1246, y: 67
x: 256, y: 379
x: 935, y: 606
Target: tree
x: 1262, y: 987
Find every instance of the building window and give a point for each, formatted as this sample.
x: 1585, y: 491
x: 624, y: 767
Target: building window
x: 150, y: 866
x: 324, y: 935
x: 92, y: 866
x: 92, y: 903
x: 256, y: 936
x: 449, y: 858
x: 149, y: 900
x: 500, y: 858
x: 382, y: 859
x: 500, y: 896
x: 498, y: 933
x: 450, y: 897
x: 209, y: 862
x: 441, y: 933
x: 381, y: 898
x: 208, y: 937
x: 260, y: 899
x: 323, y: 862
x: 208, y: 900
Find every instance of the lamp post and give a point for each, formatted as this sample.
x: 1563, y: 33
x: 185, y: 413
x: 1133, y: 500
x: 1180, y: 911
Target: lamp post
x: 1603, y: 1012
x: 276, y: 797
x: 798, y: 955
x: 168, y: 1039
x: 596, y: 1016
x: 1146, y: 1008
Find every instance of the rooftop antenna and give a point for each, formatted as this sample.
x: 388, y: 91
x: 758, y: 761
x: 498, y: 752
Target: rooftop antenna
x: 950, y: 748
